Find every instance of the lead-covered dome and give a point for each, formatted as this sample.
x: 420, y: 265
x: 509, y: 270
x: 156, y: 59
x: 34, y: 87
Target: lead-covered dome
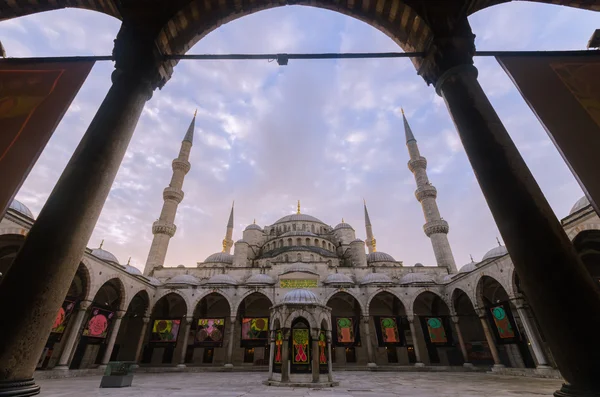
x: 339, y: 279
x: 298, y: 218
x: 417, y: 278
x: 253, y: 226
x: 379, y: 256
x: 105, y: 255
x: 343, y: 225
x: 260, y: 279
x: 579, y: 205
x: 219, y: 257
x: 183, y: 279
x: 495, y: 252
x: 300, y: 296
x: 221, y: 279
x: 469, y: 267
x: 153, y: 280
x: 376, y: 278
x: 133, y: 270
x: 21, y: 208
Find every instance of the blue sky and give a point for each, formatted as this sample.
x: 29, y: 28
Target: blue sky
x: 326, y: 132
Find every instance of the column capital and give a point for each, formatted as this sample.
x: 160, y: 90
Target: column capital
x: 84, y: 305
x: 519, y: 303
x: 480, y: 312
x: 146, y: 320
x: 189, y: 319
x: 411, y: 317
x: 455, y: 319
x: 119, y: 314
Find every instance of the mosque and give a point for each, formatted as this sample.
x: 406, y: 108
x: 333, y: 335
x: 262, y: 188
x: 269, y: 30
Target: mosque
x: 300, y: 298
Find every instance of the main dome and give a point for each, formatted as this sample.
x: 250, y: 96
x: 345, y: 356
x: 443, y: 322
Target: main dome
x: 21, y: 208
x: 219, y: 257
x: 300, y: 296
x: 298, y: 218
x: 379, y: 256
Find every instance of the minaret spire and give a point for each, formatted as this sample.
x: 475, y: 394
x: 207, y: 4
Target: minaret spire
x: 435, y: 227
x: 370, y: 241
x: 228, y: 240
x: 164, y: 228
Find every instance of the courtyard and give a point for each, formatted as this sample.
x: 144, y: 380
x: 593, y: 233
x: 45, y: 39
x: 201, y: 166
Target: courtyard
x: 352, y: 384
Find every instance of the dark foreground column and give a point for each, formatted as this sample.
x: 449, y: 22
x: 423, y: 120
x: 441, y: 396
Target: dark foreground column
x: 33, y: 289
x: 559, y: 289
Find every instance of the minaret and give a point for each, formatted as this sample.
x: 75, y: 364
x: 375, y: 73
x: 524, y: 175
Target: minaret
x: 370, y: 241
x: 228, y: 240
x: 435, y: 227
x: 164, y: 228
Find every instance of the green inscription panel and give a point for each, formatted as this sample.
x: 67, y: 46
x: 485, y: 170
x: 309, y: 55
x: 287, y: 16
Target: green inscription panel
x: 295, y: 283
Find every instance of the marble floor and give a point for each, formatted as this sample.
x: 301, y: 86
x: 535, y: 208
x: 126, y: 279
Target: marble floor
x: 352, y: 384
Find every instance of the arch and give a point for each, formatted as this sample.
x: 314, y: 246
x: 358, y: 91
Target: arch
x: 574, y: 232
x: 276, y: 322
x: 14, y: 230
x: 10, y: 244
x: 111, y: 294
x: 489, y: 289
x: 457, y: 295
x: 352, y: 294
x: 236, y: 307
x: 587, y: 245
x: 430, y: 300
x: 166, y: 292
x: 380, y: 294
x: 301, y: 313
x: 203, y: 295
x: 105, y: 7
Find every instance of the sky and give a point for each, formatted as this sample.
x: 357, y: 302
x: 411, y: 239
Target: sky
x: 326, y: 132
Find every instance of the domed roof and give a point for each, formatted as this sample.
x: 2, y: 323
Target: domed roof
x: 300, y: 296
x: 469, y: 267
x: 379, y: 256
x: 343, y: 225
x: 260, y: 279
x: 219, y: 257
x: 154, y: 281
x: 253, y: 226
x: 221, y: 279
x: 21, y: 208
x: 447, y: 278
x: 495, y: 252
x: 298, y: 218
x: 183, y: 279
x: 241, y: 241
x: 419, y: 265
x: 338, y: 278
x: 133, y: 270
x: 376, y: 278
x: 414, y: 278
x: 357, y: 240
x: 579, y: 205
x: 104, y: 255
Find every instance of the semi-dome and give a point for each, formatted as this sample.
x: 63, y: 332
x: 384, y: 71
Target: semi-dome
x: 21, y: 208
x: 579, y: 205
x: 376, y: 278
x: 379, y: 256
x: 219, y: 257
x: 298, y: 218
x: 260, y: 279
x: 417, y: 278
x: 495, y: 252
x: 104, y: 255
x: 338, y: 278
x: 298, y: 233
x: 182, y: 279
x: 253, y: 226
x: 221, y: 279
x: 469, y: 267
x: 300, y: 296
x: 133, y: 270
x: 343, y: 225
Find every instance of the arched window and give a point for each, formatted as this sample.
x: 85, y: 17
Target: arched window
x: 307, y: 242
x: 289, y: 242
x: 323, y: 244
x: 316, y: 243
x: 287, y: 259
x: 298, y: 241
x: 298, y: 257
x: 312, y: 228
x: 303, y: 226
x: 312, y: 258
x: 280, y: 243
x: 272, y: 232
x: 293, y: 226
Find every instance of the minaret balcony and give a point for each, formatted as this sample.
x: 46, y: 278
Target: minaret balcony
x: 171, y: 193
x: 164, y: 227
x: 436, y: 227
x: 424, y: 192
x: 418, y: 163
x: 182, y: 165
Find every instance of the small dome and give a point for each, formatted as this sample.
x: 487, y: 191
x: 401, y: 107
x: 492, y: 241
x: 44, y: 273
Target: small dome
x: 21, y: 208
x: 219, y: 257
x: 376, y: 278
x: 253, y: 226
x: 580, y: 204
x: 343, y: 225
x: 241, y: 241
x: 416, y: 278
x: 419, y: 265
x: 469, y: 267
x: 495, y: 252
x: 298, y: 218
x: 260, y: 279
x: 300, y: 296
x: 357, y: 241
x: 338, y: 278
x: 221, y: 279
x: 104, y: 255
x: 183, y: 279
x: 379, y: 256
x: 447, y: 278
x: 154, y: 281
x: 298, y: 233
x: 133, y: 270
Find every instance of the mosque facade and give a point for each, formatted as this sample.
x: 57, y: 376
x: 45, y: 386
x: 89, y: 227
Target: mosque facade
x: 302, y: 289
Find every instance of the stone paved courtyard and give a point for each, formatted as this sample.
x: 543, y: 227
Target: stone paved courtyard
x: 354, y: 384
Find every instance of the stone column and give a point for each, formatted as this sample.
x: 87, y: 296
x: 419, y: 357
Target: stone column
x: 330, y: 357
x: 489, y: 338
x: 138, y: 350
x: 536, y: 346
x: 48, y: 260
x: 186, y: 335
x: 315, y: 355
x: 229, y: 363
x: 413, y: 332
x: 112, y: 338
x: 273, y: 334
x: 65, y: 356
x: 550, y: 272
x: 285, y: 356
x: 461, y: 342
x: 367, y: 332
